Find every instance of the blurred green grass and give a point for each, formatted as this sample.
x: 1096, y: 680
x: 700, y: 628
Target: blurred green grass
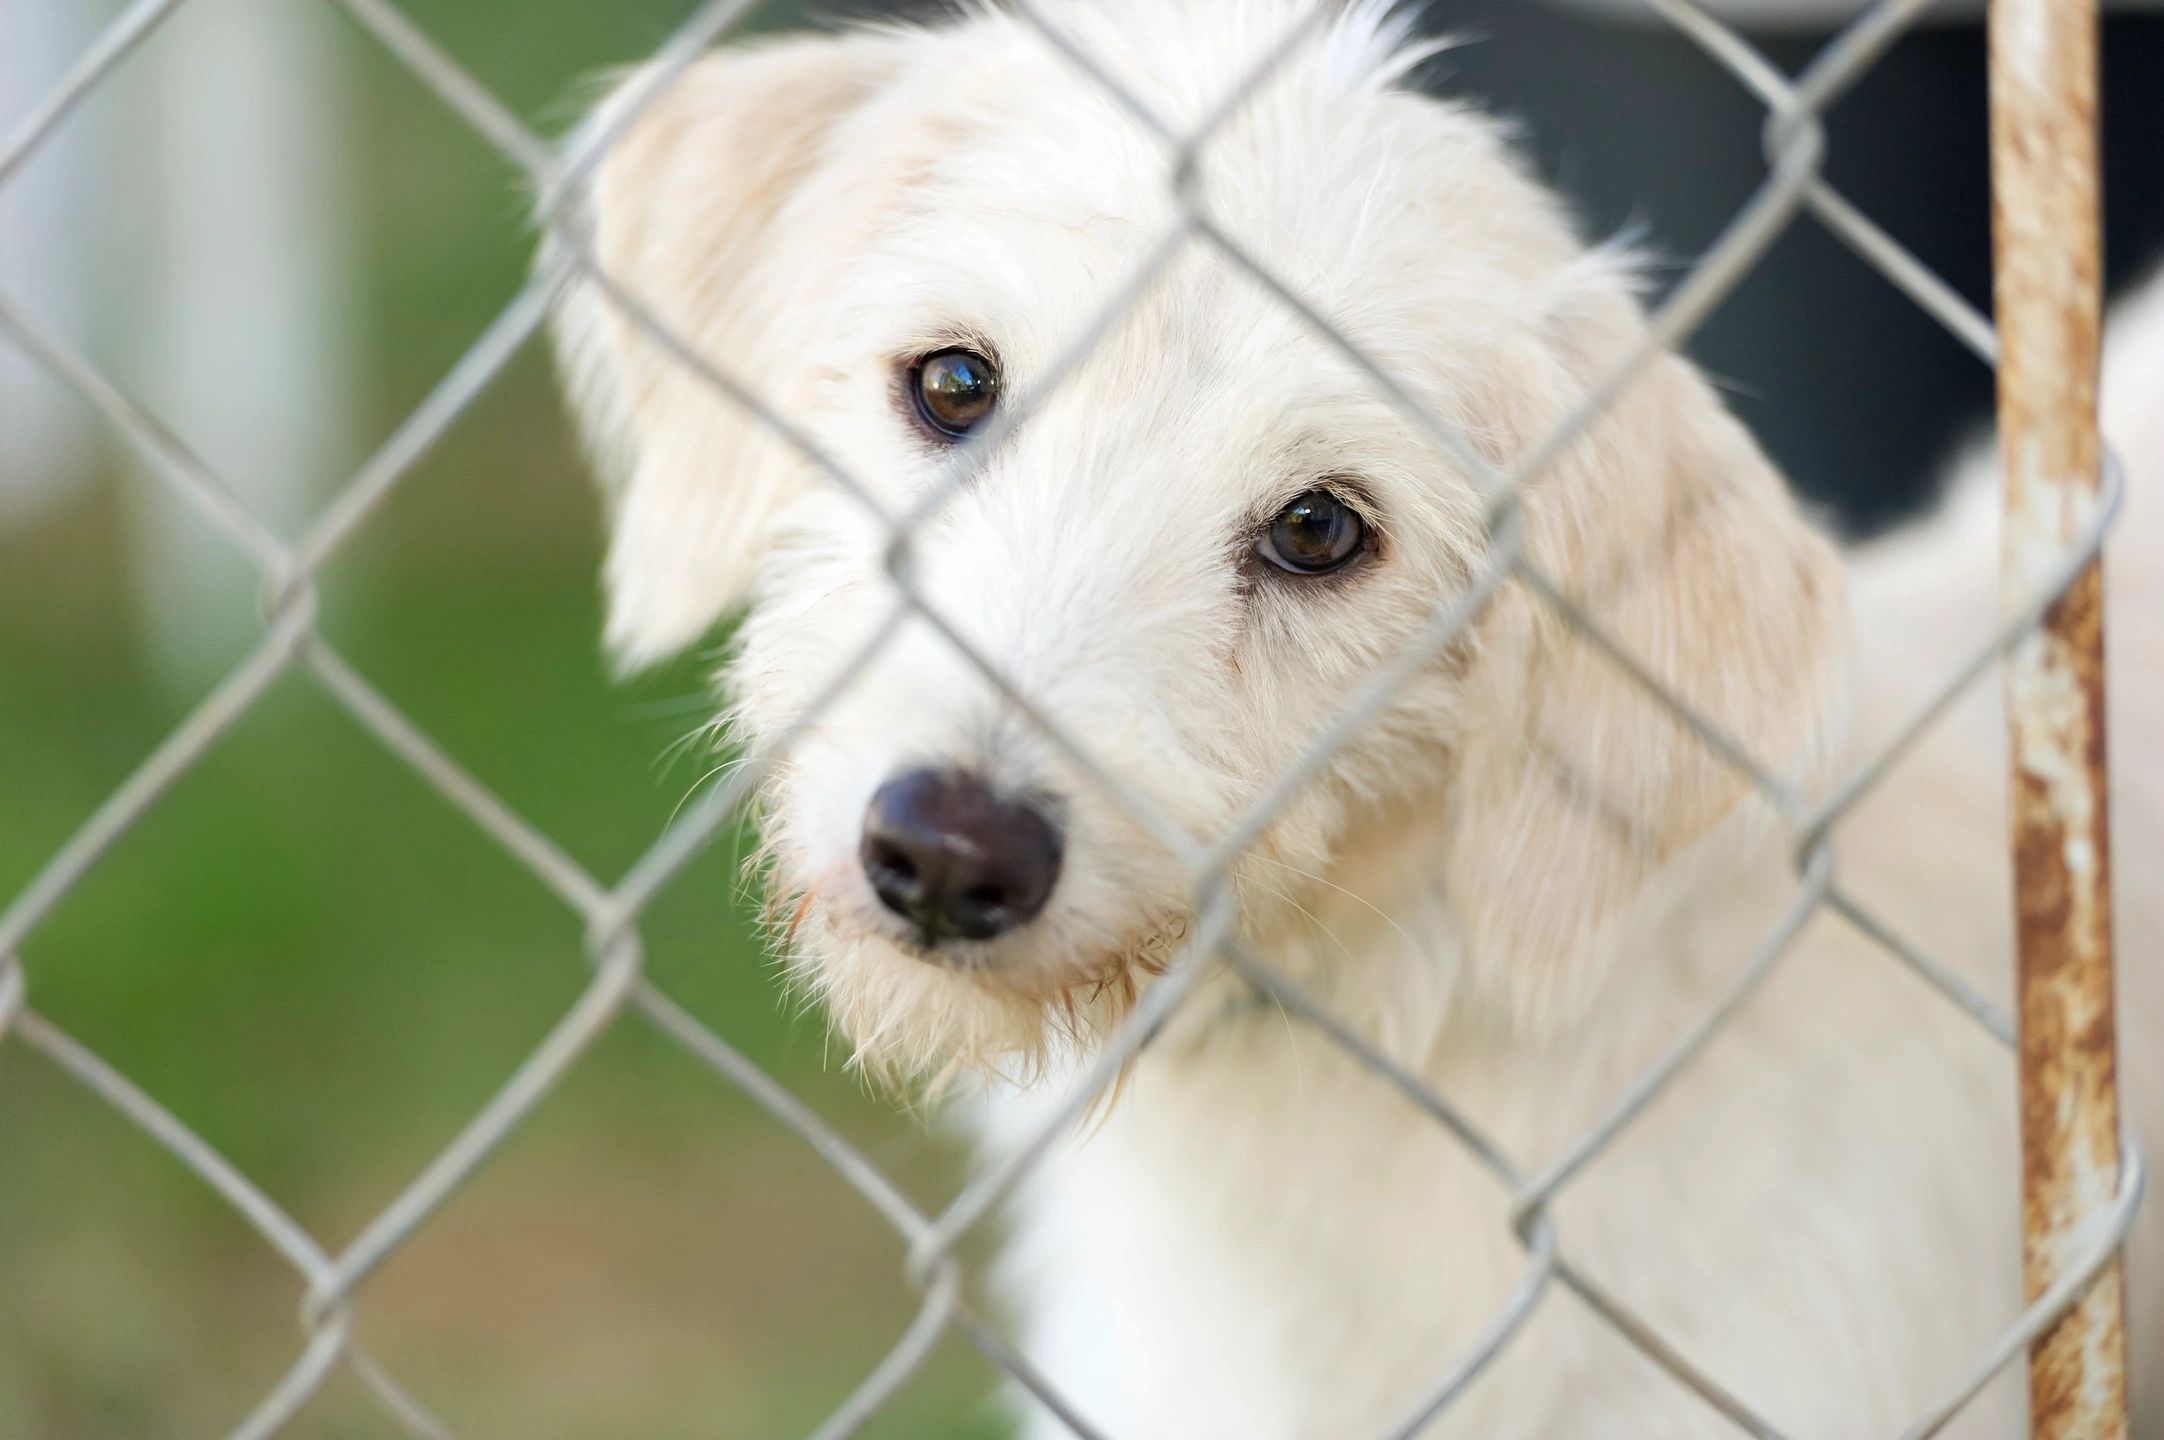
x: 319, y: 966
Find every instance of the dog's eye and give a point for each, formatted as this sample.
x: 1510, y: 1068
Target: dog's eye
x: 954, y: 390
x: 1315, y: 534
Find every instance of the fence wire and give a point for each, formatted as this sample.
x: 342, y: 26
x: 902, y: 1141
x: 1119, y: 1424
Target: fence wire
x: 1794, y: 183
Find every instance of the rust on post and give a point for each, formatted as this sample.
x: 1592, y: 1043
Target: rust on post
x: 2046, y: 290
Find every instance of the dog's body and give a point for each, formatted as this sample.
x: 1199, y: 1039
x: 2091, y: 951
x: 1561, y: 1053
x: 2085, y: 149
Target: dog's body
x: 1819, y: 1216
x: 1520, y: 879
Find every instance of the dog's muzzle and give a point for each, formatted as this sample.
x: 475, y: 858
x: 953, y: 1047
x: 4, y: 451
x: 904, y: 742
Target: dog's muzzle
x: 956, y: 860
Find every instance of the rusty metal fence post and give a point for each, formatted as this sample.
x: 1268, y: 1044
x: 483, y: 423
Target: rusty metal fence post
x: 2046, y: 288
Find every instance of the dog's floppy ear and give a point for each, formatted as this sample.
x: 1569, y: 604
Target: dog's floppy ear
x: 716, y: 206
x: 1580, y: 802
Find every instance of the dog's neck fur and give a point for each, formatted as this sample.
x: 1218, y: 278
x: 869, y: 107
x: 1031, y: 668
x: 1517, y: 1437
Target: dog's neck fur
x: 1373, y: 940
x: 1248, y: 1155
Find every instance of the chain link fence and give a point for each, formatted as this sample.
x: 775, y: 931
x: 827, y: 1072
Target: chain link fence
x: 611, y: 912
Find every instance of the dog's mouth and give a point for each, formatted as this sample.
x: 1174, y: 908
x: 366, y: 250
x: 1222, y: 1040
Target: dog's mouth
x: 917, y: 1008
x: 1033, y: 961
x: 944, y: 952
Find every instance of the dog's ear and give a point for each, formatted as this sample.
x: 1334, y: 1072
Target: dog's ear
x: 716, y: 207
x: 1581, y: 806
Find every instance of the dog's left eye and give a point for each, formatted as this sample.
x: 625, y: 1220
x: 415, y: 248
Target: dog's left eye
x: 1315, y: 534
x: 953, y: 390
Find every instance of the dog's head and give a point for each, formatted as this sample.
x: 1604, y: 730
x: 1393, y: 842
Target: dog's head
x: 1202, y: 538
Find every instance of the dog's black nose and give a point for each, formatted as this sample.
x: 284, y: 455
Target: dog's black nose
x: 947, y: 854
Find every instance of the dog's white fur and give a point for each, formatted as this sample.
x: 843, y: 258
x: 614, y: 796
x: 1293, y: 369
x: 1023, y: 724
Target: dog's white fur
x: 1522, y: 880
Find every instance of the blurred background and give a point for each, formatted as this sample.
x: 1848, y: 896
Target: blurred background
x: 267, y: 231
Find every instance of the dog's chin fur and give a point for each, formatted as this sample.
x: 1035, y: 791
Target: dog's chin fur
x: 916, y: 1020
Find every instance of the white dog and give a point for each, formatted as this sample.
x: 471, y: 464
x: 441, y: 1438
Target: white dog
x: 1521, y: 879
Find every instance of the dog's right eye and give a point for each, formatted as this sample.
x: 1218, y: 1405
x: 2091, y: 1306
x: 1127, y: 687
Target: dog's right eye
x: 1314, y: 535
x: 953, y: 391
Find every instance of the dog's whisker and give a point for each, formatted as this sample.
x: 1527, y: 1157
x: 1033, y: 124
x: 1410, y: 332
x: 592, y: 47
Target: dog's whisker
x: 1412, y: 948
